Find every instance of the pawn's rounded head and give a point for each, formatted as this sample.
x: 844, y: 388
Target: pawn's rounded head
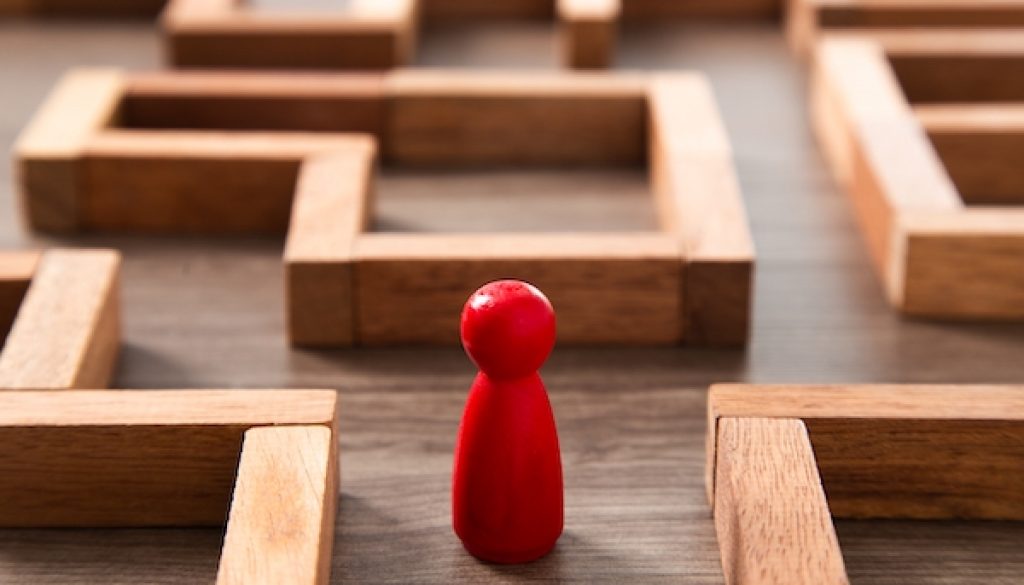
x: 508, y: 328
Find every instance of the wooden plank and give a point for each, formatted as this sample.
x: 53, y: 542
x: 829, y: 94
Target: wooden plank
x: 589, y: 29
x: 807, y: 19
x: 876, y: 148
x: 453, y: 118
x: 981, y: 147
x: 699, y: 201
x: 67, y: 333
x: 134, y: 458
x: 965, y: 265
x: 608, y: 288
x: 47, y: 152
x: 232, y: 36
x: 700, y: 10
x: 771, y: 516
x: 895, y: 451
x: 16, y: 272
x: 447, y: 11
x: 955, y: 65
x: 333, y: 205
x: 281, y: 525
x: 93, y: 9
x: 306, y: 102
x: 198, y: 182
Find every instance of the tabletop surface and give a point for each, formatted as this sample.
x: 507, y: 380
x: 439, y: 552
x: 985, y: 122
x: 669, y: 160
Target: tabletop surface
x: 203, y: 313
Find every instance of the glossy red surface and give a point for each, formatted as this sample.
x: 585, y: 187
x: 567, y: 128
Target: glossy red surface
x: 507, y: 494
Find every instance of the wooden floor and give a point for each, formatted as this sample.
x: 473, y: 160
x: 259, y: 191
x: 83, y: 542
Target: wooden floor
x: 208, y: 313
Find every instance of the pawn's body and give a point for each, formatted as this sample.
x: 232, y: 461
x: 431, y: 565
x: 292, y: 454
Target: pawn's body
x: 507, y: 484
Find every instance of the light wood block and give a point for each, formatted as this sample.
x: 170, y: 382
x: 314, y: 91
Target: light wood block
x: 471, y: 119
x: 48, y: 152
x: 698, y: 195
x: 298, y: 102
x: 16, y: 271
x: 85, y: 9
x: 981, y: 147
x: 879, y: 451
x: 333, y: 205
x: 937, y: 256
x: 373, y: 35
x: 67, y: 330
x: 281, y: 525
x: 771, y: 516
x: 411, y: 288
x: 588, y: 32
x: 901, y: 451
x: 187, y: 158
x: 198, y: 182
x: 807, y: 21
x: 159, y: 458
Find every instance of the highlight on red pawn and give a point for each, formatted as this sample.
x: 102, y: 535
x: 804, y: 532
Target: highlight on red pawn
x: 507, y: 490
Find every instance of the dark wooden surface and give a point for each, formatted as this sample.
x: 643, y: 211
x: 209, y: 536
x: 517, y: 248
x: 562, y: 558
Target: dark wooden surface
x: 208, y: 313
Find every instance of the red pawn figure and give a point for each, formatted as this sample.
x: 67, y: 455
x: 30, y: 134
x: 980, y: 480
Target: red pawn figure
x: 507, y: 484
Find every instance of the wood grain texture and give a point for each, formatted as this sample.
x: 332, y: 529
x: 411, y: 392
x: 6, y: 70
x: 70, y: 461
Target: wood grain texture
x: 102, y: 458
x: 90, y: 9
x: 771, y: 516
x: 889, y: 451
x: 877, y: 149
x: 607, y: 288
x: 965, y: 265
x: 48, y: 151
x: 333, y: 205
x: 16, y: 272
x: 699, y: 201
x: 808, y: 19
x: 457, y: 119
x: 981, y: 147
x: 309, y: 102
x: 281, y: 524
x: 589, y: 29
x: 197, y: 182
x: 68, y: 330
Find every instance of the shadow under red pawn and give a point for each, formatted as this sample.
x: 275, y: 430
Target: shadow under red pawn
x: 507, y: 482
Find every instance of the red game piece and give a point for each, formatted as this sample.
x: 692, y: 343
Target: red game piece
x: 507, y: 483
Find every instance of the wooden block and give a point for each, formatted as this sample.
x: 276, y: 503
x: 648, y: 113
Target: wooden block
x: 771, y: 516
x: 281, y: 526
x: 443, y: 11
x: 471, y: 119
x: 48, y: 151
x: 301, y: 102
x: 589, y: 29
x: 198, y: 182
x: 965, y: 265
x: 889, y: 451
x: 67, y: 332
x: 333, y: 205
x: 691, y: 10
x: 16, y: 271
x: 621, y: 288
x: 807, y: 20
x: 699, y: 200
x: 878, y: 150
x: 134, y: 458
x: 229, y: 35
x: 956, y: 65
x: 981, y: 147
x: 90, y: 9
